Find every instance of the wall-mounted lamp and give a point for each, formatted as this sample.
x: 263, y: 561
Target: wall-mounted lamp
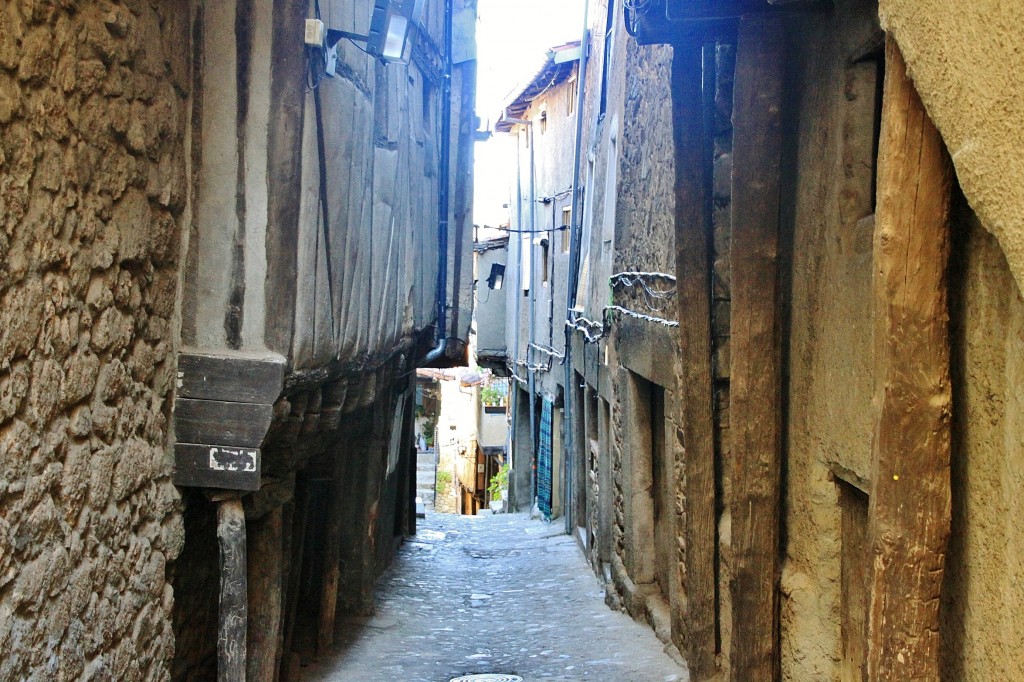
x: 392, y: 30
x: 497, y: 276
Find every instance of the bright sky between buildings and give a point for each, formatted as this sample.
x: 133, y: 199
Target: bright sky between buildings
x: 513, y: 37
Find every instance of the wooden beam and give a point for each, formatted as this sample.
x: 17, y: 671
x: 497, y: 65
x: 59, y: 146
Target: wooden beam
x: 755, y: 388
x: 289, y: 663
x: 238, y: 377
x: 237, y: 425
x: 216, y: 466
x: 233, y: 613
x: 332, y: 555
x: 909, y: 508
x: 264, y: 550
x: 693, y: 284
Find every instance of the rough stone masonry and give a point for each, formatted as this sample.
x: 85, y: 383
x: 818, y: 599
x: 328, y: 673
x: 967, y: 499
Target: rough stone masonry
x: 92, y: 193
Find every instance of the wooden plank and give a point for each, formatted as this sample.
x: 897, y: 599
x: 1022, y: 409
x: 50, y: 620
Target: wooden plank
x: 909, y: 509
x: 216, y: 466
x: 232, y: 378
x: 755, y: 388
x: 233, y: 614
x: 332, y: 555
x: 264, y: 552
x: 289, y: 663
x: 238, y: 425
x: 693, y: 285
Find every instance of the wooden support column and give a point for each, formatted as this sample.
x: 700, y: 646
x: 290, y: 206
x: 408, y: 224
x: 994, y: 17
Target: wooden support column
x: 289, y: 661
x: 693, y: 283
x: 332, y: 555
x: 755, y: 398
x: 265, y: 559
x: 909, y: 507
x: 233, y: 615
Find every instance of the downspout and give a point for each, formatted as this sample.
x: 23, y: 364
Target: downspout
x: 443, y: 207
x: 574, y: 256
x: 533, y: 315
x: 517, y: 294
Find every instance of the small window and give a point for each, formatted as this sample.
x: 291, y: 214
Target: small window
x: 543, y: 122
x: 570, y: 97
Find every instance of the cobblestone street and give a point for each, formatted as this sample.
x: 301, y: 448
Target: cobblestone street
x: 493, y: 594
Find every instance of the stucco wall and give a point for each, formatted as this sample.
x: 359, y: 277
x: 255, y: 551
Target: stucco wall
x: 983, y: 592
x: 966, y: 60
x: 92, y: 194
x: 827, y: 204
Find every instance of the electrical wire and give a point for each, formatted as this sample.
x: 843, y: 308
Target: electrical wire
x: 654, y: 299
x: 641, y: 316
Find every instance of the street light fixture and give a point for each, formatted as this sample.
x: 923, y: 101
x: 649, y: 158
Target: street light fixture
x: 392, y: 30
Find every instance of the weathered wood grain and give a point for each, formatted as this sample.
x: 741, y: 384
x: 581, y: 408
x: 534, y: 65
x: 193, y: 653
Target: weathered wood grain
x: 693, y: 284
x: 332, y: 554
x: 909, y: 508
x: 230, y: 378
x: 264, y: 553
x: 192, y: 467
x: 239, y: 425
x: 755, y: 390
x: 233, y: 614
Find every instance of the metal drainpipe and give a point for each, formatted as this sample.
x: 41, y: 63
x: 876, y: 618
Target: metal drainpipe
x: 442, y: 204
x: 574, y: 256
x: 517, y: 293
x: 533, y: 317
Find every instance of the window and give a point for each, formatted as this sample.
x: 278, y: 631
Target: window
x: 543, y: 122
x: 570, y: 97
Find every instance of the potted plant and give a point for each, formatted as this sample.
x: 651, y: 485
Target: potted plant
x: 498, y: 488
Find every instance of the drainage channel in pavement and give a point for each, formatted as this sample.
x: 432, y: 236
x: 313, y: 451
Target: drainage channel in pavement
x: 487, y: 677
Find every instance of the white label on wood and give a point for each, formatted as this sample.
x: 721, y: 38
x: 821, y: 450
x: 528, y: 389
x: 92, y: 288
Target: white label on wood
x: 233, y: 459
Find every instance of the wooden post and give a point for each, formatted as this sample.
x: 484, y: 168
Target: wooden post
x: 332, y: 555
x: 264, y: 576
x: 909, y: 507
x: 233, y: 616
x: 755, y: 389
x: 289, y: 667
x: 694, y: 296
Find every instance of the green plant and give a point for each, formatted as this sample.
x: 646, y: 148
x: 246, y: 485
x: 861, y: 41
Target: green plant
x: 494, y: 393
x: 444, y: 479
x: 499, y: 482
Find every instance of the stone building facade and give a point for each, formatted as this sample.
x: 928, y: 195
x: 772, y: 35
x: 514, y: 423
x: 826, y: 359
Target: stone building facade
x: 204, y: 254
x: 789, y: 445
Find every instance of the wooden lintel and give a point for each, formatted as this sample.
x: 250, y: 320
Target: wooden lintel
x: 693, y: 284
x: 755, y: 389
x: 238, y: 377
x: 909, y: 507
x: 221, y: 423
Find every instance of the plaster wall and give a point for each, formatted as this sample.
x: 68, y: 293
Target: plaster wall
x: 966, y: 61
x: 827, y: 217
x: 93, y: 196
x: 983, y: 591
x: 491, y: 304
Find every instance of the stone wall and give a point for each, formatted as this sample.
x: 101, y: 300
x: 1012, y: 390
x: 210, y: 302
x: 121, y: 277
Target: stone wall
x: 92, y: 194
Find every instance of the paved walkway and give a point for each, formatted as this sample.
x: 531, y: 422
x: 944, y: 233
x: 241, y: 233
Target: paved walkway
x: 493, y: 594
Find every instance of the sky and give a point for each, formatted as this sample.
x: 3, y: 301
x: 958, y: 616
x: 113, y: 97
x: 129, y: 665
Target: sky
x: 513, y: 37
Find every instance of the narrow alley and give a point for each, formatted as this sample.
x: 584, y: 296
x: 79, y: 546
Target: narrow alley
x: 493, y: 594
